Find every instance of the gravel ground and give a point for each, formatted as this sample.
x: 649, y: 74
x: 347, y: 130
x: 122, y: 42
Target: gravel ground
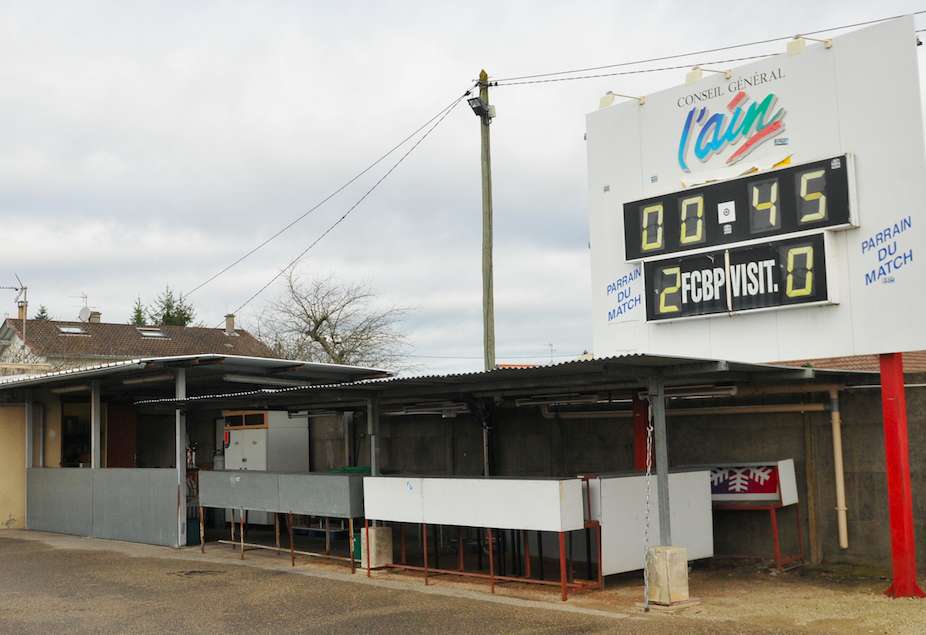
x: 51, y: 583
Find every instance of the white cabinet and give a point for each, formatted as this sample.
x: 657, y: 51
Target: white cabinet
x: 264, y: 441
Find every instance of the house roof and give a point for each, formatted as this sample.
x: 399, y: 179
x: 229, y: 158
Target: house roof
x: 106, y: 341
x: 913, y: 362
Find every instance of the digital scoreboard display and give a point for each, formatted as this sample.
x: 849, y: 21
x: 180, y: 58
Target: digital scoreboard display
x: 761, y: 205
x: 756, y: 276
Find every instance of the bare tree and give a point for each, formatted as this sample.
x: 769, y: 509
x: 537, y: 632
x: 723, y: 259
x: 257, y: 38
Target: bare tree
x: 325, y: 321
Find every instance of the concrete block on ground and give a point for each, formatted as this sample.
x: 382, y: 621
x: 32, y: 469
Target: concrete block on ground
x: 667, y: 571
x: 381, y: 552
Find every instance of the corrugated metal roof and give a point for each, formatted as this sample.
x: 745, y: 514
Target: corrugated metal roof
x: 540, y: 370
x: 309, y: 369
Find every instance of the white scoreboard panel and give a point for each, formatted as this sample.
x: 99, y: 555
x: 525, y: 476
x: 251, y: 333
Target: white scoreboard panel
x: 774, y: 215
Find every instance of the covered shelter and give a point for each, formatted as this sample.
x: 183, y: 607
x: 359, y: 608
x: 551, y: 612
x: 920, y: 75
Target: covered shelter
x: 136, y: 485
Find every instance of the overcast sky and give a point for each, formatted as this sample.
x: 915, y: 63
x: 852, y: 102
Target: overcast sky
x: 147, y: 144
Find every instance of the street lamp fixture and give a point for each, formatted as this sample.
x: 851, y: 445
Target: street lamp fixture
x: 481, y: 108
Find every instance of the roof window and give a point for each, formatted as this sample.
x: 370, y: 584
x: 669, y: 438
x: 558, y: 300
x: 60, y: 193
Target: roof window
x: 71, y: 330
x: 151, y: 332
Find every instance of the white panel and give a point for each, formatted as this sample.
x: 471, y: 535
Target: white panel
x: 622, y: 506
x: 399, y: 499
x: 787, y: 482
x: 542, y: 505
x: 862, y: 98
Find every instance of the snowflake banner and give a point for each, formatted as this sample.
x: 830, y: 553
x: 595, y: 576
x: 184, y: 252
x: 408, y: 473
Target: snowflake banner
x: 745, y: 483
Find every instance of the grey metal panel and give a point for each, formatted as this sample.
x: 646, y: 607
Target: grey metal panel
x: 240, y: 489
x: 138, y: 505
x: 335, y: 495
x: 60, y: 500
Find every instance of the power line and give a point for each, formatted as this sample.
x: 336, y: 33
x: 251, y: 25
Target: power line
x: 331, y: 227
x: 504, y: 356
x: 636, y: 71
x: 701, y: 52
x: 326, y: 199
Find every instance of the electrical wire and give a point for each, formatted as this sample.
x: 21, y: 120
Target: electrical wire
x: 326, y: 198
x: 518, y: 356
x: 636, y: 71
x: 701, y: 52
x: 360, y: 200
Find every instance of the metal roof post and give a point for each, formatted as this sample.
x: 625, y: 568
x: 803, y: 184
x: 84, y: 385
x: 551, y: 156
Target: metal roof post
x: 373, y: 432
x: 95, y: 425
x: 657, y: 401
x: 180, y: 446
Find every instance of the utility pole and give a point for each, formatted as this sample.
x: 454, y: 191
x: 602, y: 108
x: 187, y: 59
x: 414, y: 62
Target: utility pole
x: 486, y: 113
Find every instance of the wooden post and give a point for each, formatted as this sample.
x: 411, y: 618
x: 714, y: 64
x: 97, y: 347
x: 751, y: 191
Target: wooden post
x: 327, y: 536
x: 232, y: 525
x: 276, y: 531
x: 202, y: 531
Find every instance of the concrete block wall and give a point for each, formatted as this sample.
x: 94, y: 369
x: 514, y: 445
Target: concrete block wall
x: 527, y: 444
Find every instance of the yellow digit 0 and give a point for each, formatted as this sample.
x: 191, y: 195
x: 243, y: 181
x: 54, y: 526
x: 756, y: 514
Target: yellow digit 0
x: 649, y: 242
x: 697, y: 203
x: 790, y: 290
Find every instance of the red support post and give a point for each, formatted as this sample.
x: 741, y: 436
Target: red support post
x: 491, y: 546
x: 459, y: 548
x: 425, y: 549
x: 640, y: 409
x: 562, y: 566
x: 366, y: 529
x: 776, y: 542
x: 527, y: 555
x: 402, y: 557
x: 900, y: 497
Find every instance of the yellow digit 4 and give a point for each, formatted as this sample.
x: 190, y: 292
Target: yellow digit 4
x: 771, y: 205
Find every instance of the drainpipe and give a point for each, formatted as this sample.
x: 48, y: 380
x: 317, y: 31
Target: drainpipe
x: 836, y: 422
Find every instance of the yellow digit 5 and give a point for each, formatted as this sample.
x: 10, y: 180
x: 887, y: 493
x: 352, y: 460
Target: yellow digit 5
x: 665, y: 307
x: 652, y: 231
x: 820, y: 197
x: 807, y: 289
x: 692, y: 206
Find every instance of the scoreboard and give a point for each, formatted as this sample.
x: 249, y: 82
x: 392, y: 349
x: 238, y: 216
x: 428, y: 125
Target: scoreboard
x: 771, y: 214
x: 748, y: 275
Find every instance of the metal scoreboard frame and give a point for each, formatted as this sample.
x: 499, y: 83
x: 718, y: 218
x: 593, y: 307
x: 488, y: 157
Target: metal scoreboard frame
x: 769, y: 215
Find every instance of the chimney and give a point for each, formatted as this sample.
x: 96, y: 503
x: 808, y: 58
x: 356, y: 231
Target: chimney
x: 23, y: 309
x: 95, y: 317
x: 230, y: 324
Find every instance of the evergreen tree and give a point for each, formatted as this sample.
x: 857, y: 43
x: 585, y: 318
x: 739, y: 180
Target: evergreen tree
x: 169, y: 309
x: 42, y: 314
x: 138, y: 313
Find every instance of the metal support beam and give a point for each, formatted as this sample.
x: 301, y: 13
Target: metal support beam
x: 347, y: 420
x: 95, y: 425
x: 30, y: 434
x: 373, y: 432
x: 657, y: 403
x: 180, y: 446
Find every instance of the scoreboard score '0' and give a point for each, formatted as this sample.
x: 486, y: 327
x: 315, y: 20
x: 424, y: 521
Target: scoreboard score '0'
x: 761, y: 269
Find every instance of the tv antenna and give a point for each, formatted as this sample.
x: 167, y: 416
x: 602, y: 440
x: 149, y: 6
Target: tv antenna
x: 22, y: 299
